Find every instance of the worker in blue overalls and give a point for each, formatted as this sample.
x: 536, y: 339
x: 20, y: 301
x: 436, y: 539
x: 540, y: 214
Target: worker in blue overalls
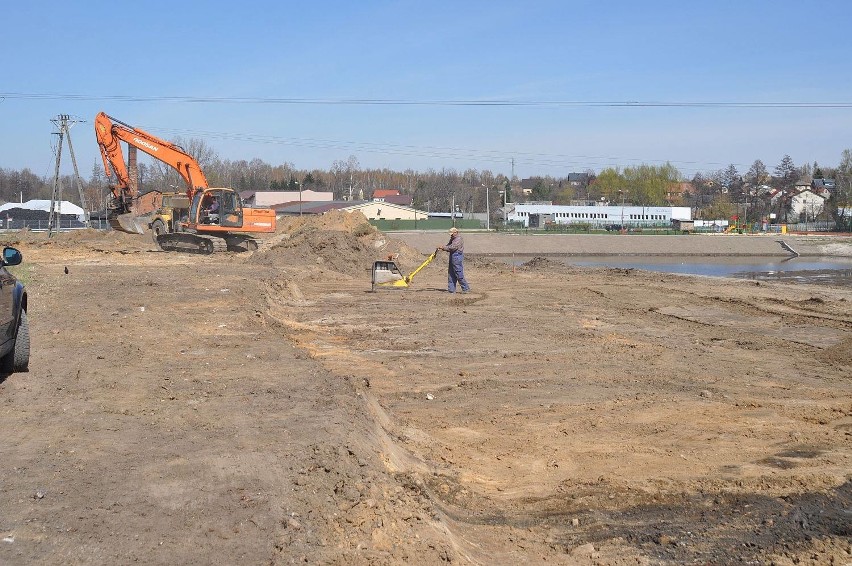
x: 455, y: 269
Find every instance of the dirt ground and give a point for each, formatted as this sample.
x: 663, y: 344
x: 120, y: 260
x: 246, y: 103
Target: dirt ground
x: 268, y: 408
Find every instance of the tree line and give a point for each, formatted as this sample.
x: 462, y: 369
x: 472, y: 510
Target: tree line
x: 712, y: 194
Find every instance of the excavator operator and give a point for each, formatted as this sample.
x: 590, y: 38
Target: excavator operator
x: 211, y: 209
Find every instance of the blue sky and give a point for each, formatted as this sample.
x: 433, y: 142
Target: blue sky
x: 737, y: 51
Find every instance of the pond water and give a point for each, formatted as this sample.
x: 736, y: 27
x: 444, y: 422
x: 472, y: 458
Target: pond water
x: 820, y: 270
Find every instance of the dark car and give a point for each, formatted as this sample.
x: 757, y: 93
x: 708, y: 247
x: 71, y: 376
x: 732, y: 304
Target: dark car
x: 14, y: 326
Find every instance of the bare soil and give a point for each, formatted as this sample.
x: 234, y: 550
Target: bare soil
x: 269, y: 408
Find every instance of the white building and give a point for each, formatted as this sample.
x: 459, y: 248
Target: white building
x: 807, y: 204
x: 537, y: 214
x: 377, y: 210
x: 60, y: 207
x: 263, y: 199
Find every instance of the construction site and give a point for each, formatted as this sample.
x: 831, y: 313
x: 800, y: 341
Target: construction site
x: 271, y: 406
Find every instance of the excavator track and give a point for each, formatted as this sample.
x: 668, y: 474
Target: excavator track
x: 187, y: 242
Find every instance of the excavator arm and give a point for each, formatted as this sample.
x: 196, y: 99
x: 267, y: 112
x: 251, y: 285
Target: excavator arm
x: 110, y: 132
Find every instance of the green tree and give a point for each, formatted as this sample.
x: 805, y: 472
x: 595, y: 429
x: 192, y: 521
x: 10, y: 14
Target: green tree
x: 507, y: 187
x: 650, y: 185
x: 786, y: 174
x: 541, y: 191
x: 564, y: 194
x: 731, y: 180
x: 611, y: 184
x: 720, y: 209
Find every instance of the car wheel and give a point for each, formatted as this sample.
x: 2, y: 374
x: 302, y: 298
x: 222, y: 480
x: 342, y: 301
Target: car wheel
x: 18, y: 359
x: 159, y: 228
x: 22, y: 344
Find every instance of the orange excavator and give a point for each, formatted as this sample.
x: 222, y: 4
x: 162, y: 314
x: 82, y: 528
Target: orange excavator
x: 201, y: 220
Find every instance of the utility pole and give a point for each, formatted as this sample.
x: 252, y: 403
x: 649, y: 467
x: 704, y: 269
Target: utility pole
x: 62, y: 122
x: 56, y: 195
x: 487, y: 209
x: 77, y: 177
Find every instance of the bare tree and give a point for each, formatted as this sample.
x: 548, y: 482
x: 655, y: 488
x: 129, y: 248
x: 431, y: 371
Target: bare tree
x: 757, y: 174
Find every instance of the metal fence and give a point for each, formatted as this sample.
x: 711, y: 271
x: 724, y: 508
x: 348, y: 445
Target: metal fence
x: 62, y: 224
x: 765, y: 228
x: 812, y: 227
x: 430, y: 224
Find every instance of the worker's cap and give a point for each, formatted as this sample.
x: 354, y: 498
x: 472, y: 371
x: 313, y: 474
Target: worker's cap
x: 453, y: 230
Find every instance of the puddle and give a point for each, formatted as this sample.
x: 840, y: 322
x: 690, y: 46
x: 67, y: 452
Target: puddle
x: 814, y: 270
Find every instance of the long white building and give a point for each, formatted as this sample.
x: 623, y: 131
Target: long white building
x: 537, y: 214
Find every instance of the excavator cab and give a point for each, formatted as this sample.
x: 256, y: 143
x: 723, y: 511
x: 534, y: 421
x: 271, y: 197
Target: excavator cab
x: 230, y: 209
x: 216, y: 208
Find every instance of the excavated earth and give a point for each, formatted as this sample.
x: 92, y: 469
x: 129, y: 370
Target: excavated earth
x: 269, y: 408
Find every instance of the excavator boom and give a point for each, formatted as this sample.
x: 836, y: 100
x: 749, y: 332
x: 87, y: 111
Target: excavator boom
x: 110, y: 132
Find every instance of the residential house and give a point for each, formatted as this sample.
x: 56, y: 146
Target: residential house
x: 802, y: 185
x: 393, y: 196
x: 824, y: 184
x: 578, y: 179
x: 379, y: 194
x: 373, y: 210
x: 807, y: 205
x: 527, y: 185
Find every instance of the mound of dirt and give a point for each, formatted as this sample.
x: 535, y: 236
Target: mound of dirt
x: 542, y: 264
x: 340, y: 241
x: 333, y: 220
x: 840, y: 354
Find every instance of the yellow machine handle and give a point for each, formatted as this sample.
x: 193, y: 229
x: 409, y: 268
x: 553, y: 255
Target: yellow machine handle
x: 429, y: 259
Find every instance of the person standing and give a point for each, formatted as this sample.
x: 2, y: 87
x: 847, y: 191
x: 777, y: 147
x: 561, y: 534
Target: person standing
x: 455, y: 269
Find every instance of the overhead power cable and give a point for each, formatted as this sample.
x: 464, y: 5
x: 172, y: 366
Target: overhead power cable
x: 406, y: 102
x: 437, y: 152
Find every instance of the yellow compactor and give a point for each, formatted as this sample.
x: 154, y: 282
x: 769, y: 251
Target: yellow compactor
x: 386, y: 274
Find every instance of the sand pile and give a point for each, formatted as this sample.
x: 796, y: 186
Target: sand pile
x: 341, y: 241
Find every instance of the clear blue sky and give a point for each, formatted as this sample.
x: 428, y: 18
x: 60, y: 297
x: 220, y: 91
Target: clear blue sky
x: 595, y: 51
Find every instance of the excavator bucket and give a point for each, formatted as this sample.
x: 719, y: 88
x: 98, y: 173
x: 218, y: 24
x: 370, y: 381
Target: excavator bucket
x: 129, y: 223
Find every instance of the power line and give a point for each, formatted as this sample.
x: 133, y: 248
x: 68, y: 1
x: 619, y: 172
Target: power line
x: 437, y: 152
x: 485, y: 102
